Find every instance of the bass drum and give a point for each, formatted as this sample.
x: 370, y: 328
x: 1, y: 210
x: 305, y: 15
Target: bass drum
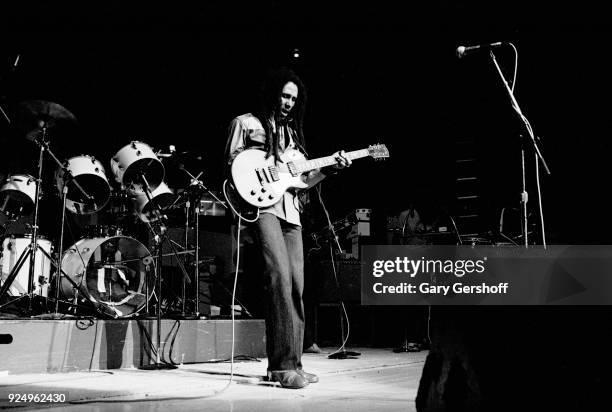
x: 109, y: 272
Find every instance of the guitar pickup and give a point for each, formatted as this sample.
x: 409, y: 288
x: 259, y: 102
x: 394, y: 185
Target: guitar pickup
x: 258, y: 173
x: 261, y: 175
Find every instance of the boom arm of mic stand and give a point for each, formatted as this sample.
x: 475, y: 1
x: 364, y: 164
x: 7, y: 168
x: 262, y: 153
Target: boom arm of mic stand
x: 8, y: 119
x: 539, y: 156
x: 517, y: 108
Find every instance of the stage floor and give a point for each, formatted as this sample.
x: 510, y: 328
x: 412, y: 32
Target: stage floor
x: 378, y: 380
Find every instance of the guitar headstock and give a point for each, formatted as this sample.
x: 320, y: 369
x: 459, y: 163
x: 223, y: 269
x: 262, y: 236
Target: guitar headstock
x: 378, y: 151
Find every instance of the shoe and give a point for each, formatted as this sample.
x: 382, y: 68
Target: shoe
x: 310, y: 377
x: 288, y: 379
x: 314, y: 348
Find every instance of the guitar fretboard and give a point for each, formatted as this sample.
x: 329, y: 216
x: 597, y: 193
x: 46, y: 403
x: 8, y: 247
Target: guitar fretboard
x: 309, y: 165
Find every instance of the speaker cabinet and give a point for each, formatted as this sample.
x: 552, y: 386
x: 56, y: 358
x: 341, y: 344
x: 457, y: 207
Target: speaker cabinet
x: 348, y: 287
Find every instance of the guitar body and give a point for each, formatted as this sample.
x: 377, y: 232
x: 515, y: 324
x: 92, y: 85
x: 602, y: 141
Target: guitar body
x: 238, y: 204
x: 261, y: 182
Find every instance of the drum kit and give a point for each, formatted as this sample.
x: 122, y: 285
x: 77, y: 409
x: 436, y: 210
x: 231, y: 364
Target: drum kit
x: 106, y: 272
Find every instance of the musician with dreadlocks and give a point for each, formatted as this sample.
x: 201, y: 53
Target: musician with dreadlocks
x: 278, y: 126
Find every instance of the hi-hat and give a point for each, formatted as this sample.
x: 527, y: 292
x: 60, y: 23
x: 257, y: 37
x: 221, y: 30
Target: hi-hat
x: 35, y: 115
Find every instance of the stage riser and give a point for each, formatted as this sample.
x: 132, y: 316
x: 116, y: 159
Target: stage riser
x: 47, y: 346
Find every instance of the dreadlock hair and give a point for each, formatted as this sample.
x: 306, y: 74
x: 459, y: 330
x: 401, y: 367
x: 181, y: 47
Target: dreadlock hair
x: 269, y: 109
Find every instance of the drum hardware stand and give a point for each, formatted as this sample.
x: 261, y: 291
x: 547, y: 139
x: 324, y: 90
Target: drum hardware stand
x: 159, y: 240
x: 34, y: 246
x: 195, y: 181
x: 44, y: 145
x: 67, y: 179
x: 538, y: 154
x: 195, y: 313
x: 196, y: 210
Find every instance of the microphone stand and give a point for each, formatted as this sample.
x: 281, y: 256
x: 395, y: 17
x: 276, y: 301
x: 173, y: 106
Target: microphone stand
x: 341, y: 353
x: 539, y: 158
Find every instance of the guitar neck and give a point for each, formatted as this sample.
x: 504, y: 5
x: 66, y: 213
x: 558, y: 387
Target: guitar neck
x: 321, y: 162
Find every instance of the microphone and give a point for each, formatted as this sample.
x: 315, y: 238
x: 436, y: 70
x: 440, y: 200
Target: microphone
x: 16, y: 63
x: 463, y: 50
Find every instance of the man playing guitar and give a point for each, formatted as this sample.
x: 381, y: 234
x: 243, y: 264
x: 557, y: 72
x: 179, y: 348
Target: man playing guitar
x: 277, y: 128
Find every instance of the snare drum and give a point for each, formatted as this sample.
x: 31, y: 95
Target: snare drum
x: 90, y: 175
x: 133, y: 161
x: 109, y: 272
x: 12, y: 248
x: 145, y: 208
x: 17, y: 196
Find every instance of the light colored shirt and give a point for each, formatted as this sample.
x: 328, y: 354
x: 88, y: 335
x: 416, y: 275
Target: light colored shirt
x: 247, y: 131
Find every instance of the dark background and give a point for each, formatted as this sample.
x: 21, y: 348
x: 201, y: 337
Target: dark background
x: 177, y: 74
x: 376, y: 72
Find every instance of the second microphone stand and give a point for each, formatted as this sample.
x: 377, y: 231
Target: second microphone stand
x: 538, y: 155
x: 341, y: 353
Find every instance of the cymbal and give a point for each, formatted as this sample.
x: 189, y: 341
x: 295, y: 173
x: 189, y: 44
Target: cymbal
x: 33, y: 115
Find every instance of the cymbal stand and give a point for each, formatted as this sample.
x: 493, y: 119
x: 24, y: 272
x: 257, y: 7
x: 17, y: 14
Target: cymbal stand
x: 68, y: 179
x: 34, y: 246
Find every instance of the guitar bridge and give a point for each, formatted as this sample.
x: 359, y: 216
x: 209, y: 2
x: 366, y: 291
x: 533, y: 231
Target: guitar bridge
x: 273, y: 173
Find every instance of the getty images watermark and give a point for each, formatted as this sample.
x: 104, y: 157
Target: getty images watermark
x: 434, y: 268
x: 486, y: 275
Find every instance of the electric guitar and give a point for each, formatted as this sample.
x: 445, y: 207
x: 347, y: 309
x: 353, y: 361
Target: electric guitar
x: 261, y: 182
